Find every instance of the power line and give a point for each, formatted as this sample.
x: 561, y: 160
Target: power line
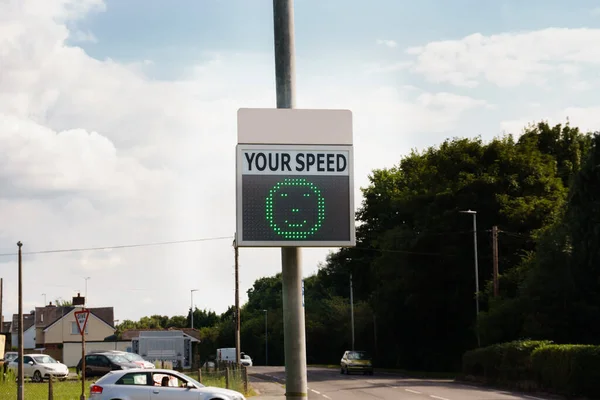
x: 124, y: 246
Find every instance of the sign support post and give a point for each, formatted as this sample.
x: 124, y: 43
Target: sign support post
x: 294, y: 332
x: 81, y: 317
x: 294, y: 188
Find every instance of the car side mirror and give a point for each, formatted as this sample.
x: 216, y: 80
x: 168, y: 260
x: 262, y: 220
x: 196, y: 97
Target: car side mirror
x: 30, y: 363
x: 190, y: 385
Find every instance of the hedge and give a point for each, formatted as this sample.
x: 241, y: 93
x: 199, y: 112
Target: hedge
x: 572, y: 370
x: 568, y: 369
x: 503, y: 362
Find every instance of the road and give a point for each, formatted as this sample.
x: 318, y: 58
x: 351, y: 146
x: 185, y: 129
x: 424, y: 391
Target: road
x: 329, y: 384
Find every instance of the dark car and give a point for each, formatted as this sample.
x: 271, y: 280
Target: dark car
x: 98, y: 364
x: 356, y: 361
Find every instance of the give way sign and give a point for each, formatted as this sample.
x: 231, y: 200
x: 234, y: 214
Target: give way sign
x: 81, y: 317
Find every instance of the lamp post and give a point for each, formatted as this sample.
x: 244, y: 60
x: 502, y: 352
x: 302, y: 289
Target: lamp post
x: 192, y: 306
x: 352, y: 309
x: 474, y: 214
x: 266, y: 340
x: 85, y: 298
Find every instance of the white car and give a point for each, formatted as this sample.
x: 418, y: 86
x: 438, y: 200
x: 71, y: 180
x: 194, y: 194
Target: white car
x: 246, y: 361
x: 38, y: 367
x: 164, y: 384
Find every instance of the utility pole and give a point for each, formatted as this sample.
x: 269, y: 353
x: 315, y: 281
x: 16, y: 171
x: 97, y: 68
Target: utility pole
x: 294, y: 330
x: 21, y: 378
x: 1, y: 300
x: 495, y: 257
x: 352, y: 309
x: 237, y: 303
x: 266, y: 338
x: 192, y: 307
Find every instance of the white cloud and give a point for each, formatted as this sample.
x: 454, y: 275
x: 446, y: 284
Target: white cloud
x: 387, y: 43
x: 96, y: 153
x: 509, y: 59
x: 82, y: 37
x: 587, y: 119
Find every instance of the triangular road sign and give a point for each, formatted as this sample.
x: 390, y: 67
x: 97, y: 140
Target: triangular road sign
x: 81, y: 317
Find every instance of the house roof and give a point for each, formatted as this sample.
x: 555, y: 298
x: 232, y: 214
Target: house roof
x: 130, y: 334
x: 49, y: 315
x: 28, y: 321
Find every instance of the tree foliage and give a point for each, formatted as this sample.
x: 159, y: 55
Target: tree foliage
x: 413, y: 266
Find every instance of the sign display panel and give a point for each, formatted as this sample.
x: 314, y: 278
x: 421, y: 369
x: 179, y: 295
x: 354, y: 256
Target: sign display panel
x: 295, y: 195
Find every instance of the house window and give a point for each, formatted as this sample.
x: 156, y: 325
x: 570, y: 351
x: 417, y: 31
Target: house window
x: 75, y: 329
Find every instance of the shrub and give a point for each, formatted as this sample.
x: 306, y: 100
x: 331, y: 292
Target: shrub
x: 503, y: 362
x: 568, y: 369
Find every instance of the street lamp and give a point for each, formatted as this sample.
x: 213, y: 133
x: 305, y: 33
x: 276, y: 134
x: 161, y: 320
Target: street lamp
x: 266, y: 340
x: 352, y: 309
x: 85, y: 298
x: 192, y: 306
x: 474, y: 213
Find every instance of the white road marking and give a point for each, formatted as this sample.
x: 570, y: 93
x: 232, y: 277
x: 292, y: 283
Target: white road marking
x: 412, y: 391
x: 438, y: 397
x: 314, y: 391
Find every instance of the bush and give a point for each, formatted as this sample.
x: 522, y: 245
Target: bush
x: 503, y: 362
x: 568, y: 369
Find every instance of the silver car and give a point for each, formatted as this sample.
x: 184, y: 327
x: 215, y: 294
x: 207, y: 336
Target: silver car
x: 163, y: 384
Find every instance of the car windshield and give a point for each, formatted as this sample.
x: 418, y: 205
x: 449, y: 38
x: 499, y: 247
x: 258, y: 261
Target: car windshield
x: 132, y: 357
x: 194, y: 381
x: 358, y: 355
x: 44, y: 359
x: 116, y: 358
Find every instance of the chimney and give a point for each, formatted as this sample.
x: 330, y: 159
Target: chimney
x: 51, y: 305
x: 79, y: 300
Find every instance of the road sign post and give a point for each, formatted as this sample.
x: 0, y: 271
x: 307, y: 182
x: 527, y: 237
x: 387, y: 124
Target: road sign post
x: 81, y: 318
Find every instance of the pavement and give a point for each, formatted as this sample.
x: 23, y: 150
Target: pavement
x: 329, y: 384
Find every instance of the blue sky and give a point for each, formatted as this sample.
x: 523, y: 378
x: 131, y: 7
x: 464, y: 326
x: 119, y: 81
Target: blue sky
x: 342, y: 29
x: 103, y: 148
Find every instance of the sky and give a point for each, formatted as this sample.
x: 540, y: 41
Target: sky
x: 118, y: 122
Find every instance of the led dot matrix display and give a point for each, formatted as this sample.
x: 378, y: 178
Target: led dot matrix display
x: 295, y: 196
x: 302, y: 206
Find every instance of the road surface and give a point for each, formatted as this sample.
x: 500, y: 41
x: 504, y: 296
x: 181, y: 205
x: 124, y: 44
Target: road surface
x: 329, y: 384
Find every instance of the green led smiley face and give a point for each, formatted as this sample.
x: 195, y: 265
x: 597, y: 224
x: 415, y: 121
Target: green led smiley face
x: 295, y: 208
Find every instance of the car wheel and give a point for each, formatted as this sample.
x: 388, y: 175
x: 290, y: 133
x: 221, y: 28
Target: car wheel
x: 37, y: 376
x: 342, y: 371
x: 88, y: 372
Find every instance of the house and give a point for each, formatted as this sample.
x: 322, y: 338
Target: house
x: 178, y: 345
x: 28, y: 331
x: 57, y: 332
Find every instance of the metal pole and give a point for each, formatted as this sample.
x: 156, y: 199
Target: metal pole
x: 352, y: 310
x: 85, y: 298
x: 294, y: 331
x: 1, y: 300
x: 237, y: 305
x: 82, y: 397
x: 21, y: 378
x: 476, y: 262
x: 192, y: 307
